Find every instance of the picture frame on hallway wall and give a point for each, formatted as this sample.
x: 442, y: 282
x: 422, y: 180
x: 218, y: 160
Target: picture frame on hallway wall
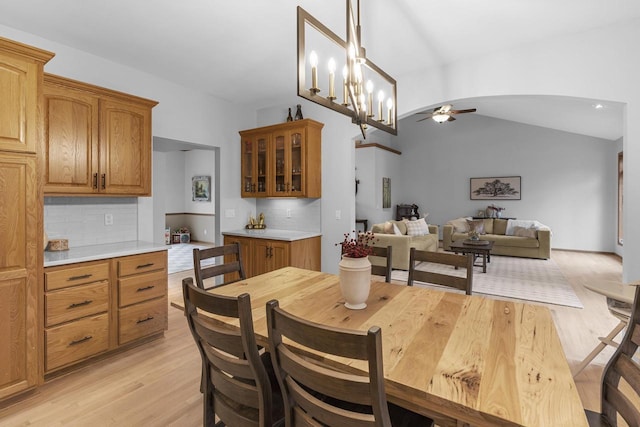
x: 201, y: 188
x: 496, y: 188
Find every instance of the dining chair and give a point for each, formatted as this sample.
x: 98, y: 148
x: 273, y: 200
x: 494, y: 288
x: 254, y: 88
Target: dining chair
x: 440, y: 278
x: 620, y: 389
x: 381, y: 259
x: 619, y: 305
x: 237, y: 382
x: 231, y: 263
x: 315, y: 393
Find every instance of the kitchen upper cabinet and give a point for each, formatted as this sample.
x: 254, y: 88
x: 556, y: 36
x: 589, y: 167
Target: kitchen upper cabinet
x: 20, y: 216
x: 20, y: 82
x: 282, y: 160
x: 97, y: 141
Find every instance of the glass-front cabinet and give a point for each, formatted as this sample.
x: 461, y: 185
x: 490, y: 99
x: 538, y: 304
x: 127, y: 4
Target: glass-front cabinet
x: 255, y: 151
x: 288, y: 162
x: 282, y: 160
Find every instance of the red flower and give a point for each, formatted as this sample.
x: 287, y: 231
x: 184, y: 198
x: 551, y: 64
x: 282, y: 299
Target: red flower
x: 358, y: 247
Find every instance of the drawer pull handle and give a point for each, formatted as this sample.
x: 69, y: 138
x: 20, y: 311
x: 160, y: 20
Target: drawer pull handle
x: 146, y: 288
x: 84, y: 276
x: 95, y: 181
x: 80, y: 304
x: 144, y: 265
x: 104, y: 181
x: 81, y: 340
x: 145, y: 320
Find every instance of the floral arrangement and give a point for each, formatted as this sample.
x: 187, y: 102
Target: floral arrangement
x: 357, y: 247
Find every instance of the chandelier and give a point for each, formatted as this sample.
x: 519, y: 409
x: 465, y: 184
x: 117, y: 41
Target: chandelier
x: 361, y: 79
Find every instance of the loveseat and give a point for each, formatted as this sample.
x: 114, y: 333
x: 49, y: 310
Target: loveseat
x: 519, y: 238
x: 401, y: 242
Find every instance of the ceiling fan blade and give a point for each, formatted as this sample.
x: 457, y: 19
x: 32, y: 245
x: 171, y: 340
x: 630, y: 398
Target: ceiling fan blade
x: 470, y: 110
x: 451, y: 118
x: 423, y: 119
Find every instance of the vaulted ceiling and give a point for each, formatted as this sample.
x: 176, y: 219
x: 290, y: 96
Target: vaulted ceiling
x: 245, y: 51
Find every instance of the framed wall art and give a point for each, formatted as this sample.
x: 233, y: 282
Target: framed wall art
x: 386, y: 193
x: 201, y: 188
x: 496, y: 188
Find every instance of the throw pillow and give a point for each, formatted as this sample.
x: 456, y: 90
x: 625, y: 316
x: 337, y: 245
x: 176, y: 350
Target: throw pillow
x: 500, y: 226
x: 460, y: 225
x: 387, y: 228
x: 488, y: 225
x: 476, y: 225
x: 418, y: 227
x: 402, y: 226
x: 396, y: 230
x: 525, y: 232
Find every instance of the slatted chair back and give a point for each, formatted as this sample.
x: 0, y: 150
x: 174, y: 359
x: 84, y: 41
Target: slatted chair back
x: 236, y: 385
x: 314, y: 393
x: 229, y: 262
x: 620, y: 392
x: 381, y: 259
x: 453, y: 260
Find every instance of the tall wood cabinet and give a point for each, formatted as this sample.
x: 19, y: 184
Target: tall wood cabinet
x: 282, y: 160
x: 96, y: 141
x: 20, y: 215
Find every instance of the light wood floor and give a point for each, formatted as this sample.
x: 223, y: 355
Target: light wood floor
x: 158, y: 385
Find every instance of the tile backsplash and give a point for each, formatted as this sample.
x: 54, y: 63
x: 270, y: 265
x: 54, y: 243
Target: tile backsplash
x: 81, y: 220
x: 303, y: 214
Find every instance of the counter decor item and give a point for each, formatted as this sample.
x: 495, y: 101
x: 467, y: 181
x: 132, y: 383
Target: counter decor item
x: 258, y: 224
x: 58, y: 245
x: 355, y: 269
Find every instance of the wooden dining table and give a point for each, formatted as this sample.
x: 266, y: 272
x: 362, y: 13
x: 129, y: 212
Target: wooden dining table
x: 458, y: 359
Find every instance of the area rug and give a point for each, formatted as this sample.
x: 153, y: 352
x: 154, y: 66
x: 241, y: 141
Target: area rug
x: 181, y: 257
x: 510, y: 277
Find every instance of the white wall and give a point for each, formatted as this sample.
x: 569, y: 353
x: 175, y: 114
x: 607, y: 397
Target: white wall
x: 568, y: 180
x: 372, y: 164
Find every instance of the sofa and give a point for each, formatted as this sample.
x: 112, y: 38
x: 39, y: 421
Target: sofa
x: 395, y: 234
x: 519, y: 238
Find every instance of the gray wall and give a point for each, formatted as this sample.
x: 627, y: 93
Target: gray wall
x: 569, y: 181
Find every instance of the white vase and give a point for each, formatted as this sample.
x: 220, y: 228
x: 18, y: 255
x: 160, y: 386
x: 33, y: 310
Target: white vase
x: 355, y: 281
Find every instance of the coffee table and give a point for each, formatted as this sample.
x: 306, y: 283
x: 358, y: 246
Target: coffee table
x: 476, y: 249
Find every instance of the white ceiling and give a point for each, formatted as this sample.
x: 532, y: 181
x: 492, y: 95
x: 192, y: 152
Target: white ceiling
x: 244, y: 50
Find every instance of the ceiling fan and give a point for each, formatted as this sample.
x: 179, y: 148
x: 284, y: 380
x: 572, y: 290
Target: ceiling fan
x: 444, y: 113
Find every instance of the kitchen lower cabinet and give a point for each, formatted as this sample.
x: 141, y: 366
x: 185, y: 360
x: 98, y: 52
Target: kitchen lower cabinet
x: 96, y: 307
x: 142, y: 296
x: 261, y: 255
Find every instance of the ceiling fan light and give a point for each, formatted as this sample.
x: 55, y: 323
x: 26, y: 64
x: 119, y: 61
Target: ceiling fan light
x: 440, y: 118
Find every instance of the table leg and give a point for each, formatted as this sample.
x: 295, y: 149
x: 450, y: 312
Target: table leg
x: 484, y: 262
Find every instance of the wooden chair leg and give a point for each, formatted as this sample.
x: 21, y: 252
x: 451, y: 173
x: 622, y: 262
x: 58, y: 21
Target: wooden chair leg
x: 601, y: 346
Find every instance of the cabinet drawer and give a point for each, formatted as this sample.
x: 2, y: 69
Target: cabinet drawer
x: 142, y: 319
x: 142, y: 263
x: 76, y: 341
x: 74, y: 303
x: 143, y: 287
x: 74, y: 276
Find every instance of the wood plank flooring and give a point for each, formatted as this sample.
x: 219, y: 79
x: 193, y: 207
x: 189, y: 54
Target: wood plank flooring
x: 158, y: 384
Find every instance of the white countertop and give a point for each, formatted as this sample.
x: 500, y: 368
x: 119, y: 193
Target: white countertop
x: 273, y: 234
x: 97, y: 252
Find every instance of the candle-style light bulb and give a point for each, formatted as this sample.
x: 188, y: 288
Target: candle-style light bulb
x: 380, y: 101
x: 313, y: 60
x: 345, y: 85
x: 389, y: 110
x: 369, y: 87
x: 332, y: 76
